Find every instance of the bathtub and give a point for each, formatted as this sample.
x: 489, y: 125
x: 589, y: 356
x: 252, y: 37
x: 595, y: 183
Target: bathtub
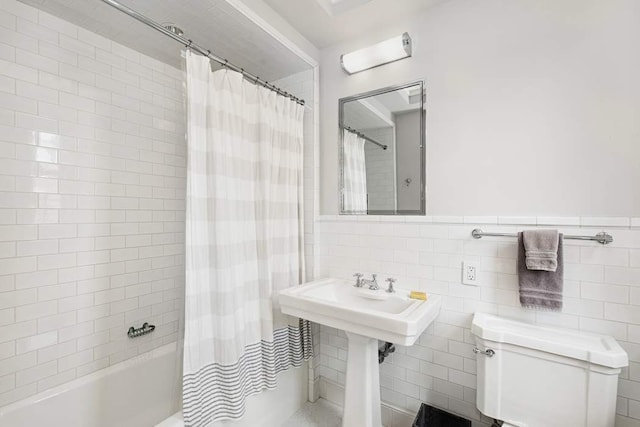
x: 143, y: 392
x: 139, y: 392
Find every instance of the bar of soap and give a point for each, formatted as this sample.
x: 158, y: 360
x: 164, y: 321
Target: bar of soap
x: 418, y: 295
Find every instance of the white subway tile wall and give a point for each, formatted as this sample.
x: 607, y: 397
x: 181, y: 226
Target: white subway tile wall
x: 601, y: 294
x: 92, y: 199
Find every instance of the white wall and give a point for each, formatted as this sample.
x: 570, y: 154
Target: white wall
x: 92, y: 173
x: 532, y: 106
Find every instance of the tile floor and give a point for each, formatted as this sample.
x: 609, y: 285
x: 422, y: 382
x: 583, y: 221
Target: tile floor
x: 322, y: 413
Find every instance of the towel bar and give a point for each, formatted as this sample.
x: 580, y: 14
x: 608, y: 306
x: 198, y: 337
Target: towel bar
x: 603, y: 237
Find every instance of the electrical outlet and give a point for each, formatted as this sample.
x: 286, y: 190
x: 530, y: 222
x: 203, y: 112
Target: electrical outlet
x: 470, y: 273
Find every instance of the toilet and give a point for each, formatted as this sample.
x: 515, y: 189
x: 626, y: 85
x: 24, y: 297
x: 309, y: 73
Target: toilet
x: 539, y: 376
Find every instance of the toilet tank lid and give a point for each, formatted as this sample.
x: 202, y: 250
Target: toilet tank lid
x: 598, y: 349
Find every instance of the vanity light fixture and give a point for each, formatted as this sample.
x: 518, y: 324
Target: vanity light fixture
x: 379, y: 54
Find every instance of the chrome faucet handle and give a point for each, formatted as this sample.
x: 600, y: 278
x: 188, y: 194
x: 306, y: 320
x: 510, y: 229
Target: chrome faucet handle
x: 391, y: 282
x: 358, y: 277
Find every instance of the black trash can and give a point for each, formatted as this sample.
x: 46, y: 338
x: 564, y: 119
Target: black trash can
x: 428, y: 416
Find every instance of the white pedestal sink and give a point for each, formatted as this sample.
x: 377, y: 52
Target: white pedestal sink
x: 366, y: 316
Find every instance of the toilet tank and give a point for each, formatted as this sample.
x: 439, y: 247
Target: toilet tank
x: 540, y: 376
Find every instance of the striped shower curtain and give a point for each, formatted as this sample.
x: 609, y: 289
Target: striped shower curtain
x: 243, y: 241
x: 354, y: 174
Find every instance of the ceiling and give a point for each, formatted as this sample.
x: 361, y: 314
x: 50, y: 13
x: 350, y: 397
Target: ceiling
x: 213, y: 24
x: 378, y: 111
x: 358, y: 116
x: 326, y: 22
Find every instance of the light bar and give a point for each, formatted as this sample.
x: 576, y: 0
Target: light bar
x: 379, y: 54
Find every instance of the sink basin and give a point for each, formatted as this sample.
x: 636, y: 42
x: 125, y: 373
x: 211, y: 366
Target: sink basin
x: 377, y: 314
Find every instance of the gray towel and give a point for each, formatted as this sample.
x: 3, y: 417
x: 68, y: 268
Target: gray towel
x: 541, y: 249
x: 540, y: 289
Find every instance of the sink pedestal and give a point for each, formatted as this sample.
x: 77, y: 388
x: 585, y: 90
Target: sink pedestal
x: 362, y: 388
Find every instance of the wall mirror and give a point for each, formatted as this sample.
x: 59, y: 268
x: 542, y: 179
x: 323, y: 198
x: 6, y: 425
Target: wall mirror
x: 382, y: 153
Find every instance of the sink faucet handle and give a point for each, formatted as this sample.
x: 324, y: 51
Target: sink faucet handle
x: 391, y: 281
x: 358, y: 277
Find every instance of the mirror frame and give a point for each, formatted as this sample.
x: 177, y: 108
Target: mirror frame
x: 423, y: 129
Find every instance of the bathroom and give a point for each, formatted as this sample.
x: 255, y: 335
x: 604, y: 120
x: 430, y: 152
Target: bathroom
x: 529, y: 121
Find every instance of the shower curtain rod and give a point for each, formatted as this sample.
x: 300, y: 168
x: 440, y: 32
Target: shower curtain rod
x: 365, y: 137
x: 199, y: 49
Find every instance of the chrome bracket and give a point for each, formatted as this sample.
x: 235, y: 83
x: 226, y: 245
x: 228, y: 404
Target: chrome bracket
x: 487, y: 352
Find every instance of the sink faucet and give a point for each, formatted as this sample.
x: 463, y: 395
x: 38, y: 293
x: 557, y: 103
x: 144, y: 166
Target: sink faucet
x: 373, y: 284
x: 358, y: 277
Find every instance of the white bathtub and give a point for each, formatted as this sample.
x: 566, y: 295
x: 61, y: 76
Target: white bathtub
x: 138, y: 392
x: 144, y: 392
